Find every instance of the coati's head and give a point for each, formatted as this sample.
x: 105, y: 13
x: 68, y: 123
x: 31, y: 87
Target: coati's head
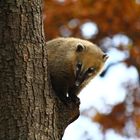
x: 89, y: 61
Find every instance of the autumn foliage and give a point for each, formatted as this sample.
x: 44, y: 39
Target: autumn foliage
x: 123, y: 114
x: 112, y: 17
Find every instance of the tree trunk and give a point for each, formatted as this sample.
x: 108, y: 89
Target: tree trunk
x: 29, y: 109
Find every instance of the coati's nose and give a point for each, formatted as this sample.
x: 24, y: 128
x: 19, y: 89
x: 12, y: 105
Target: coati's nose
x: 105, y: 57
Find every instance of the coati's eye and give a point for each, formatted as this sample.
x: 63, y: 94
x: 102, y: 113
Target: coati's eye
x: 91, y: 70
x: 79, y: 65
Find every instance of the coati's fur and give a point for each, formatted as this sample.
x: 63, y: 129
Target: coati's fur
x: 72, y: 64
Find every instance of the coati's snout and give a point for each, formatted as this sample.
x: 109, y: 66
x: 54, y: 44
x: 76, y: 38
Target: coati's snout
x: 83, y: 72
x: 82, y: 75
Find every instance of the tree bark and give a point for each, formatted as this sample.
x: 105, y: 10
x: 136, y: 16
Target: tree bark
x: 29, y: 109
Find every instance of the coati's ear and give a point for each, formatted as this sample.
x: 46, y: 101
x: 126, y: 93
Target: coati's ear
x: 80, y: 47
x: 105, y: 57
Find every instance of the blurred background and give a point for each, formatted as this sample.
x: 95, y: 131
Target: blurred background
x: 110, y: 104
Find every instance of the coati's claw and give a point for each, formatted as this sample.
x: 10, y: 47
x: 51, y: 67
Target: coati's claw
x: 77, y: 101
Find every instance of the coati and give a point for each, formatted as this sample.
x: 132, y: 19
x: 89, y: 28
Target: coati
x: 72, y: 63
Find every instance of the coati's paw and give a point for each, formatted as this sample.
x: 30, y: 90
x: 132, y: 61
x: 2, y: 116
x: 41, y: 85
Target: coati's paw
x: 75, y: 99
x: 65, y: 100
x: 69, y: 100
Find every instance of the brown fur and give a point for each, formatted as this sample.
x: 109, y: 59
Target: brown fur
x: 63, y: 57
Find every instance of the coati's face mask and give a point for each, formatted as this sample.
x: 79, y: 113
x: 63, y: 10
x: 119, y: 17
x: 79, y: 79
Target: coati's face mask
x: 83, y: 75
x: 85, y: 69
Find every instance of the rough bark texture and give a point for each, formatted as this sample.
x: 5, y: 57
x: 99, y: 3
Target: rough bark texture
x: 29, y: 110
